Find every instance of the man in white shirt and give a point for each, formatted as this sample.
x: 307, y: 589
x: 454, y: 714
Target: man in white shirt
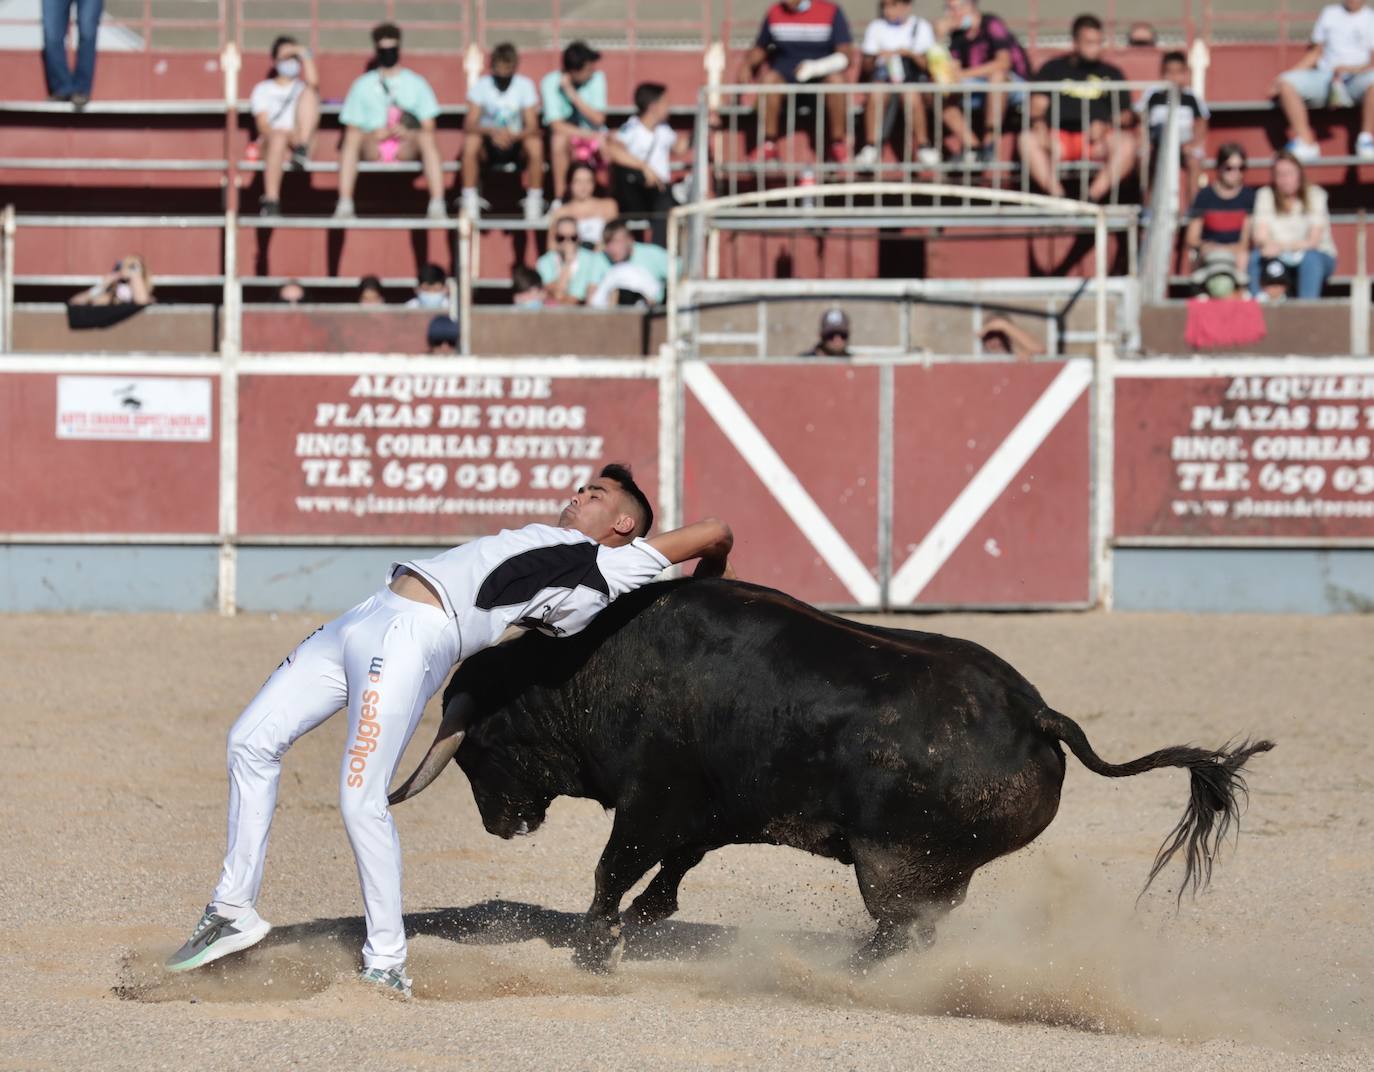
x: 286, y: 112
x: 1337, y: 71
x: 641, y: 160
x: 386, y: 657
x: 638, y: 270
x: 502, y: 127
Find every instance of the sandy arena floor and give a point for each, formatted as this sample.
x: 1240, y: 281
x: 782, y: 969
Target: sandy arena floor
x: 113, y: 804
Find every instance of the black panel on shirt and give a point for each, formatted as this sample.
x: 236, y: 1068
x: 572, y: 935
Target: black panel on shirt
x: 521, y: 577
x: 1069, y: 69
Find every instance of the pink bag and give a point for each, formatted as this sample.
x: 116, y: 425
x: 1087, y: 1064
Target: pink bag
x: 388, y: 149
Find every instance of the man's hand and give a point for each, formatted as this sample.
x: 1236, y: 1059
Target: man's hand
x: 715, y: 567
x: 651, y: 178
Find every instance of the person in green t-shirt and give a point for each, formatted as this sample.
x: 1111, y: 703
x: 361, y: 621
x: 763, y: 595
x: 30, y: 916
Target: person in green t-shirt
x: 574, y: 111
x: 568, y: 270
x: 389, y: 115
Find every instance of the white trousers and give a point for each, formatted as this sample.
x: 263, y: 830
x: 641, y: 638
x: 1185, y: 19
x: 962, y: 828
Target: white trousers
x: 382, y: 660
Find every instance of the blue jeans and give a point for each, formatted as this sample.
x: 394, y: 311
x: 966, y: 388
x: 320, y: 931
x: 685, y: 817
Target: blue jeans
x: 1313, y: 271
x: 62, y: 81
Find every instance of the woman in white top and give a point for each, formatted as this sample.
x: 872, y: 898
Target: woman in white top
x: 286, y: 113
x: 590, y: 212
x: 1292, y: 234
x: 894, y: 50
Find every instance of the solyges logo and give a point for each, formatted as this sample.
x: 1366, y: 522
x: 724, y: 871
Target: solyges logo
x: 369, y: 729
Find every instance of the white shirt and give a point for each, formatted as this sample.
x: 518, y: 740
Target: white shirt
x: 914, y: 34
x: 654, y: 147
x: 540, y: 577
x: 1346, y: 38
x: 503, y: 109
x: 278, y: 101
x: 626, y: 276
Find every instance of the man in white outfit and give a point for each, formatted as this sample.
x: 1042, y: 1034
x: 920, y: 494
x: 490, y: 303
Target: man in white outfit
x: 386, y: 657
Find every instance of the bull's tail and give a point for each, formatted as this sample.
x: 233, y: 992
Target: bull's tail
x: 1216, y: 790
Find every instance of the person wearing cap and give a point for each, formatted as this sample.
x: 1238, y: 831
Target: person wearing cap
x: 1217, y: 275
x: 834, y: 340
x: 441, y: 337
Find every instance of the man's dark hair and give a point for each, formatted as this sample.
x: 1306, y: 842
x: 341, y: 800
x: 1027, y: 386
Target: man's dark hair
x: 431, y: 274
x: 578, y: 55
x: 384, y: 31
x: 523, y: 278
x: 370, y: 282
x: 620, y: 473
x: 1172, y: 57
x: 613, y: 228
x: 504, y: 53
x: 1085, y: 22
x: 442, y: 329
x: 282, y: 40
x: 999, y: 336
x: 647, y: 94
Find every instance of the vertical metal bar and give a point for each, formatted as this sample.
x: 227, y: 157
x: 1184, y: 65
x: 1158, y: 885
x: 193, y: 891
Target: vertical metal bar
x: 1104, y: 423
x: 1359, y: 294
x: 230, y: 62
x: 886, y: 391
x: 230, y: 344
x: 467, y: 241
x: 231, y: 330
x: 9, y: 227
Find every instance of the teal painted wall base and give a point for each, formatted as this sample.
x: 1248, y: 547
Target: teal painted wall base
x: 48, y: 577
x: 1245, y: 580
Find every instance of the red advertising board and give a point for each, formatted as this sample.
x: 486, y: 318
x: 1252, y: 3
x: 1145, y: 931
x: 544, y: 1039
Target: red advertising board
x: 109, y: 453
x: 431, y: 455
x: 1281, y: 456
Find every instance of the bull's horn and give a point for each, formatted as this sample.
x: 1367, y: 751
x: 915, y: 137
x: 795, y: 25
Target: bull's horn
x: 451, y: 733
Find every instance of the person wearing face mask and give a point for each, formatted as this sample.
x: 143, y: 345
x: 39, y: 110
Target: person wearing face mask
x: 982, y: 48
x: 894, y: 50
x: 574, y: 111
x: 389, y: 115
x: 286, y: 110
x: 431, y: 289
x: 502, y: 127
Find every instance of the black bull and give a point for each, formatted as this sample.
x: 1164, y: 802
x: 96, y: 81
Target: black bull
x: 711, y: 713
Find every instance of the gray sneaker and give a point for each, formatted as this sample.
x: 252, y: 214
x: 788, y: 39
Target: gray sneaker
x: 390, y: 978
x: 216, y: 936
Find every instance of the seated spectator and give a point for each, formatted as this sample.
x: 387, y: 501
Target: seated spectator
x: 894, y: 51
x: 574, y: 111
x: 291, y: 292
x: 431, y: 289
x: 568, y: 270
x: 502, y: 127
x: 441, y: 337
x: 389, y: 115
x: 370, y: 291
x: 128, y: 283
x: 641, y: 159
x: 1337, y: 71
x: 1219, y: 219
x: 638, y: 272
x: 1142, y: 35
x: 286, y: 111
x: 1292, y: 229
x: 801, y: 41
x: 589, y: 211
x: 1192, y: 117
x: 1217, y: 275
x: 67, y: 83
x: 527, y: 289
x: 983, y: 49
x: 1086, y: 113
x: 834, y: 336
x: 1001, y: 336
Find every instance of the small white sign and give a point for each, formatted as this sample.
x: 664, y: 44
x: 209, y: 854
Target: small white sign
x: 134, y: 407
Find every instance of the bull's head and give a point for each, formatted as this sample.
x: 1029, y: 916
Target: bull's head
x: 509, y: 802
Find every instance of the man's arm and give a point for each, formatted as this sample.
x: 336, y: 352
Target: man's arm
x: 709, y: 540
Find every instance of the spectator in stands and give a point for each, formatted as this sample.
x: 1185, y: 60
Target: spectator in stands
x: 574, y: 111
x: 894, y: 51
x: 1093, y: 122
x: 431, y: 289
x: 1219, y: 219
x: 502, y: 127
x: 1192, y: 117
x: 568, y: 270
x: 291, y: 292
x: 441, y: 337
x: 527, y: 289
x: 66, y: 83
x: 389, y: 115
x: 801, y: 41
x: 834, y: 336
x: 642, y: 159
x: 1001, y: 336
x: 1142, y: 35
x: 982, y: 48
x: 286, y: 111
x: 370, y: 291
x: 1336, y: 71
x: 638, y: 272
x: 1292, y: 228
x: 127, y: 283
x: 585, y: 206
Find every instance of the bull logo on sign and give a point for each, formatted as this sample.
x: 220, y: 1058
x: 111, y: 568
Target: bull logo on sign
x: 128, y: 399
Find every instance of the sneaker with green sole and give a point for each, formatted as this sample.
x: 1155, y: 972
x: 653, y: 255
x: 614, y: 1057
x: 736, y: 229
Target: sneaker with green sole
x: 217, y: 936
x: 390, y: 978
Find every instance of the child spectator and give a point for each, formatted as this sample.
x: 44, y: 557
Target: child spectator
x: 502, y: 127
x: 894, y: 50
x: 641, y: 159
x: 589, y: 211
x: 568, y: 270
x: 1337, y: 71
x: 370, y: 291
x: 527, y: 289
x: 431, y: 289
x: 286, y: 112
x: 1292, y: 228
x: 574, y: 111
x: 1192, y: 117
x: 389, y: 115
x: 638, y: 272
x: 983, y: 49
x: 1219, y: 219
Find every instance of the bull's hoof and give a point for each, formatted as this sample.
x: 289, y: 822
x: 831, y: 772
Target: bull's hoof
x: 599, y: 950
x: 645, y: 911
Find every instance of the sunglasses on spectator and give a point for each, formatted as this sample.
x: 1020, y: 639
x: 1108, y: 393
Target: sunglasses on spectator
x: 1231, y: 167
x: 565, y: 237
x: 835, y: 335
